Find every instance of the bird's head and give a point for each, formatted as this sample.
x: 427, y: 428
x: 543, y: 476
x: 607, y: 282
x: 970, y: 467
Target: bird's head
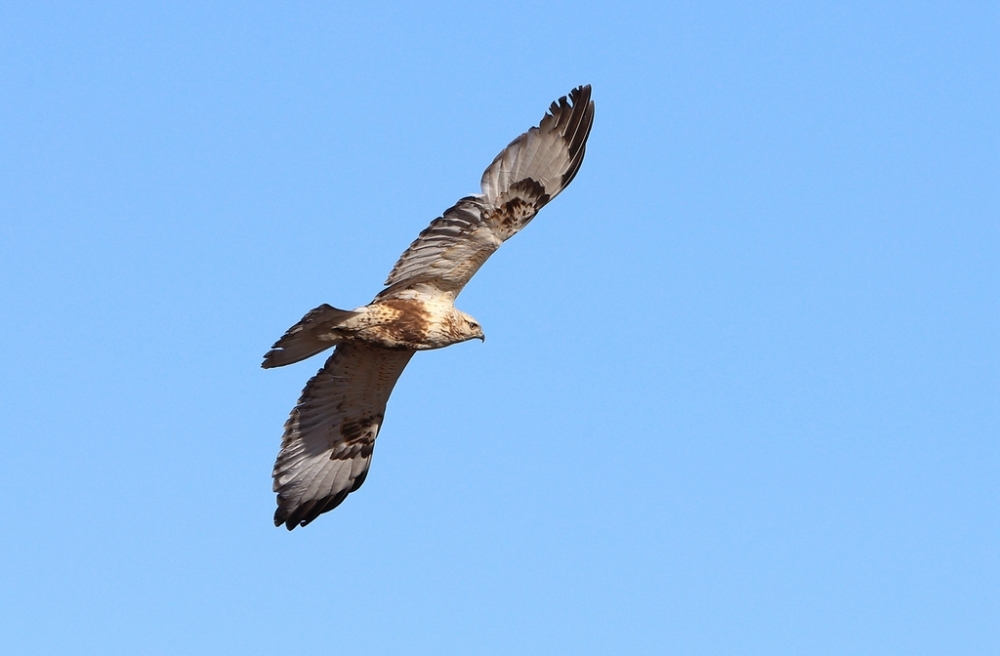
x: 466, y: 327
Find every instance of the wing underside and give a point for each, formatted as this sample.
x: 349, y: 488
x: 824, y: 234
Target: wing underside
x: 330, y: 434
x: 525, y: 176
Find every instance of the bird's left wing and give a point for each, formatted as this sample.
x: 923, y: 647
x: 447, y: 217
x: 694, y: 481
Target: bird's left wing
x: 525, y: 176
x: 330, y: 435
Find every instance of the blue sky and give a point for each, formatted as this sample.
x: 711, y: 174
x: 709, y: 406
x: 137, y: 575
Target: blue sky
x: 741, y: 387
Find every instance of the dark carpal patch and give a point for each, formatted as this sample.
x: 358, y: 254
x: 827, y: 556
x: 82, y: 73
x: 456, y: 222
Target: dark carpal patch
x: 530, y: 188
x: 363, y: 429
x: 525, y: 198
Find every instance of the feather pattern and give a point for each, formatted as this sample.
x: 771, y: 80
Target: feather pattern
x: 331, y: 433
x: 526, y: 175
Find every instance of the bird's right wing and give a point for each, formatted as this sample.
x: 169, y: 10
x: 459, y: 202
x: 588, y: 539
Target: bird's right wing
x: 525, y: 176
x: 330, y: 435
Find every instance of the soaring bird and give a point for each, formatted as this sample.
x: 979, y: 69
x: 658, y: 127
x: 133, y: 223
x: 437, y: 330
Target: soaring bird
x: 330, y: 435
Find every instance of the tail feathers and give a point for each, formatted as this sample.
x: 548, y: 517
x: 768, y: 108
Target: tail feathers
x: 315, y: 333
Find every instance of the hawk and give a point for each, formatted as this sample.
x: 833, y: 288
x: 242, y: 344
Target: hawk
x: 330, y: 434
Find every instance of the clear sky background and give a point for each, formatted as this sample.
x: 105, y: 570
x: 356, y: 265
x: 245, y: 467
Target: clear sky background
x: 740, y: 392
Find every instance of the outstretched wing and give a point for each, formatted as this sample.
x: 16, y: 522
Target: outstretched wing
x: 330, y: 435
x: 529, y: 173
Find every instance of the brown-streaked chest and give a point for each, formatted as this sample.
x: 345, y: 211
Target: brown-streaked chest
x: 404, y: 324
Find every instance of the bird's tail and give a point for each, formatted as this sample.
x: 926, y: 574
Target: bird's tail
x: 315, y: 333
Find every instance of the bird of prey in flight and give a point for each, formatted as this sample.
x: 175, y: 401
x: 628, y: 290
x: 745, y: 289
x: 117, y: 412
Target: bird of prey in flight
x: 330, y: 434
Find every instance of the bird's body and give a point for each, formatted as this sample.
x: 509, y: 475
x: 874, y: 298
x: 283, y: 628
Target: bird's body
x: 330, y: 435
x: 416, y: 324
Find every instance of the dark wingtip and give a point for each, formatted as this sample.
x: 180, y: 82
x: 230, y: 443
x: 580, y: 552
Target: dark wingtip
x: 280, y: 517
x: 304, y: 514
x: 581, y: 94
x: 579, y: 122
